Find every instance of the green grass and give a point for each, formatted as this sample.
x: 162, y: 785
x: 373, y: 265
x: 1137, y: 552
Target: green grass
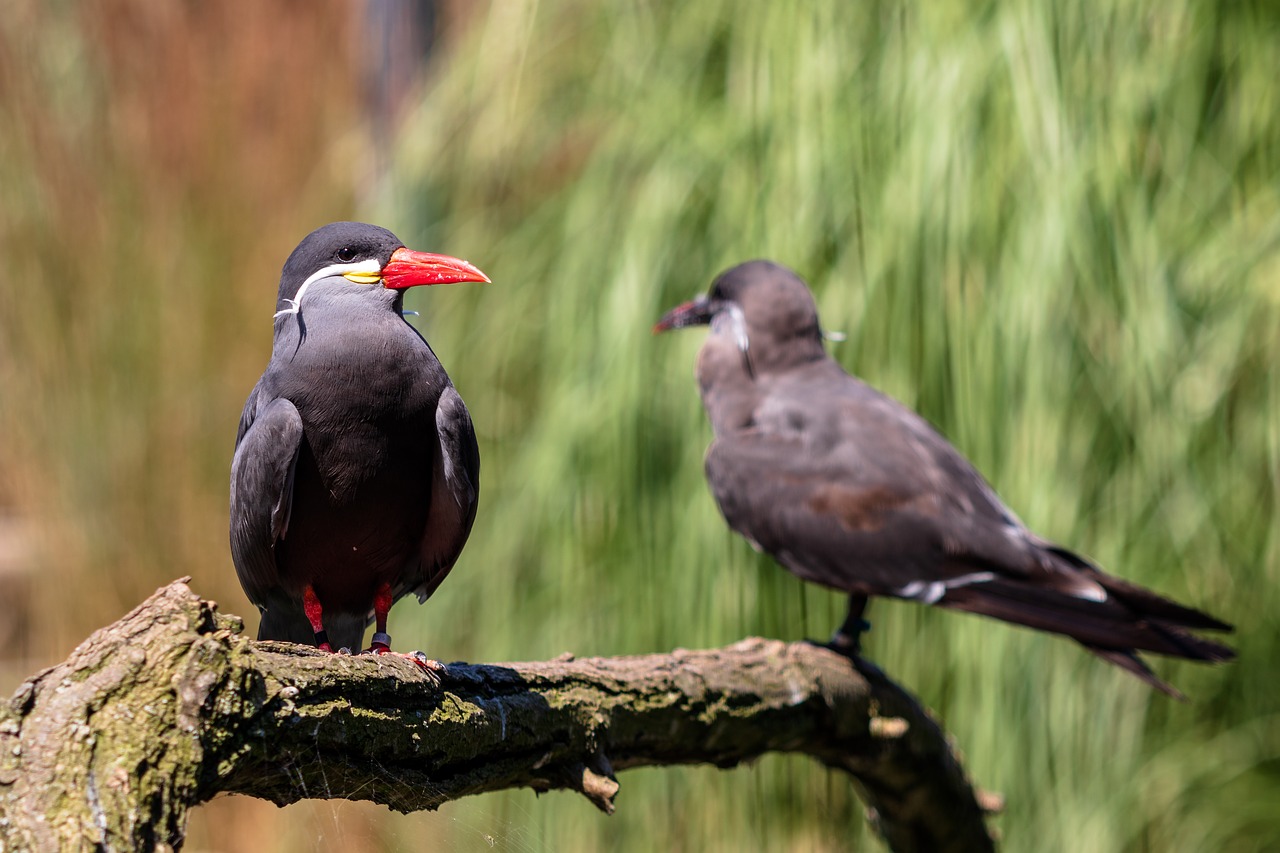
x: 1056, y: 233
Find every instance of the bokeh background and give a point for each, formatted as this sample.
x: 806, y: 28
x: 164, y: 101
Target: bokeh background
x: 1053, y: 231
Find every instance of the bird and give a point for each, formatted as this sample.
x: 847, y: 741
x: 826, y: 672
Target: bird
x: 847, y: 488
x: 355, y: 477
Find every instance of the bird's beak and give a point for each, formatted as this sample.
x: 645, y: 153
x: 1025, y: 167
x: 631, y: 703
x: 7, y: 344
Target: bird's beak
x: 408, y: 268
x: 696, y: 313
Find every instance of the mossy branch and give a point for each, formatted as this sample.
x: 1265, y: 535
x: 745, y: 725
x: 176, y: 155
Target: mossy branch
x: 172, y: 705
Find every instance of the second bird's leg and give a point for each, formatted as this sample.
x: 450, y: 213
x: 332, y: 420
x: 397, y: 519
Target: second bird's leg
x: 382, y: 601
x: 847, y: 639
x: 315, y: 615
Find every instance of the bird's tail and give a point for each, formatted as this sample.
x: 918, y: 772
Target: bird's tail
x: 1130, y: 619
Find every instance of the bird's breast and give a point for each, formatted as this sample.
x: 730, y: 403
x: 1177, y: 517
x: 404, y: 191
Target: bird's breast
x: 367, y: 395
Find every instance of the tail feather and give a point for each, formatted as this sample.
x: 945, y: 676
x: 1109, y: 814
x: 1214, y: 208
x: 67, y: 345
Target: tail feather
x: 1115, y: 629
x: 1105, y: 624
x: 1150, y: 604
x: 1141, y: 599
x: 1193, y: 647
x: 1132, y: 663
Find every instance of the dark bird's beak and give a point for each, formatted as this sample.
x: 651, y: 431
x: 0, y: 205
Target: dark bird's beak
x: 696, y: 313
x: 408, y: 268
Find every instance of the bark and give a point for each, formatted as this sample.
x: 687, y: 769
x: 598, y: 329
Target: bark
x: 172, y: 705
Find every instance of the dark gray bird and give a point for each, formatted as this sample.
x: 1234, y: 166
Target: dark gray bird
x: 356, y: 471
x: 848, y: 488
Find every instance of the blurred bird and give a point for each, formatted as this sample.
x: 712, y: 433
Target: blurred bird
x: 356, y: 472
x: 848, y: 488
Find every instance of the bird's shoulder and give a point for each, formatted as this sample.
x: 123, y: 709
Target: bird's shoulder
x: 460, y: 452
x: 272, y: 385
x: 828, y: 436
x: 250, y: 411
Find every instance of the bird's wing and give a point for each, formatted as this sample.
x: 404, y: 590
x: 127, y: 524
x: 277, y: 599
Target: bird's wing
x: 839, y: 531
x: 455, y: 493
x: 262, y: 491
x: 848, y: 488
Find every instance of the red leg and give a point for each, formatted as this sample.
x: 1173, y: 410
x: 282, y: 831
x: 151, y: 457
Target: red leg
x: 311, y: 606
x: 382, y: 601
x: 381, y: 644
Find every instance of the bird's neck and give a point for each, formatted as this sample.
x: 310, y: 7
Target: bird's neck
x: 734, y: 385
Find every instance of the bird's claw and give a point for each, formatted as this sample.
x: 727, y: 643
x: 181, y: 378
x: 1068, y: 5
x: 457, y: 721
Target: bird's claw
x: 841, y: 646
x: 433, y: 669
x: 427, y: 664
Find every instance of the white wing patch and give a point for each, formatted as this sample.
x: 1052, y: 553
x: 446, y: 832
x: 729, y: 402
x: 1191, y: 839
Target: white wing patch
x: 931, y: 592
x: 1092, y: 592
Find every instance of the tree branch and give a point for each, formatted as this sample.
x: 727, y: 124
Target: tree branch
x: 172, y: 705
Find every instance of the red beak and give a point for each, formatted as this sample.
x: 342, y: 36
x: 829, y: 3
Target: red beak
x: 696, y: 313
x: 408, y: 268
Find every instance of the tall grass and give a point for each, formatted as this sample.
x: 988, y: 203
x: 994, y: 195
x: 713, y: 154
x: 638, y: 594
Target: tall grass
x: 1056, y: 233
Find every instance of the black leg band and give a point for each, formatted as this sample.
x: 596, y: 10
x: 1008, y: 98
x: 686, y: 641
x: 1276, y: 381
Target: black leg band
x: 322, y: 638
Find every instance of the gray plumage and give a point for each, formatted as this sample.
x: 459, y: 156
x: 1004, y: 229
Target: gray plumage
x: 848, y: 488
x: 356, y: 467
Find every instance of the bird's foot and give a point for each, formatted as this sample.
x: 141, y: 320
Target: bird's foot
x: 848, y: 640
x: 381, y: 645
x: 850, y: 648
x: 434, y: 669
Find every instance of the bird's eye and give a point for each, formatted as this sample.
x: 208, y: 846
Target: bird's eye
x: 346, y: 255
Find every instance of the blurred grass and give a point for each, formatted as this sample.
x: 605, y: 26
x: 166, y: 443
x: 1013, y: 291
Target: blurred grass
x: 1055, y: 232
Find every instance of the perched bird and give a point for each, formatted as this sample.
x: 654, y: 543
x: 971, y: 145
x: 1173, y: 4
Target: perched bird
x: 356, y: 471
x: 848, y: 488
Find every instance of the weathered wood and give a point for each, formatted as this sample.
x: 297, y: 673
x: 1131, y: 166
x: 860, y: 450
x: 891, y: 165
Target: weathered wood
x: 172, y: 705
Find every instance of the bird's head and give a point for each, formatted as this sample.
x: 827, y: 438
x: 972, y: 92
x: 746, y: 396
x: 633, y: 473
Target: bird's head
x: 761, y: 309
x: 338, y: 258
